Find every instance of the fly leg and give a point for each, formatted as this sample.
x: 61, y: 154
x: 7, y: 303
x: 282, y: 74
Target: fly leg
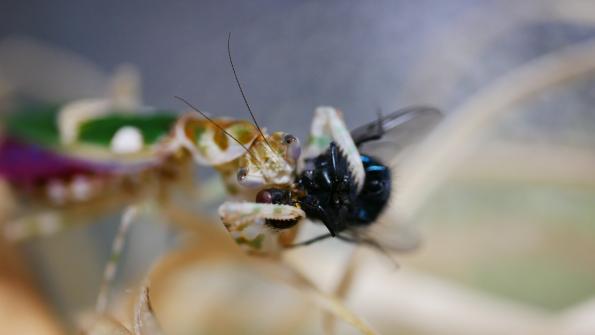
x: 370, y: 243
x: 311, y: 241
x: 328, y: 126
x: 324, y: 237
x: 316, y: 211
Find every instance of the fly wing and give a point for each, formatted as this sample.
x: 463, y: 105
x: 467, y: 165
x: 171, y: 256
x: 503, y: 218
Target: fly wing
x: 400, y: 130
x: 387, y: 237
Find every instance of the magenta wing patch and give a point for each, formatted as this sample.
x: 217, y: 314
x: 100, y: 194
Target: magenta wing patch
x: 25, y: 164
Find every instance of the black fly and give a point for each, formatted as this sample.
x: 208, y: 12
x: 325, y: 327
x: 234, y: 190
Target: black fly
x: 326, y: 191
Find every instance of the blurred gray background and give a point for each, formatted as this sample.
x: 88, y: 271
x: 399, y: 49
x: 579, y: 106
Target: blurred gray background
x: 295, y: 55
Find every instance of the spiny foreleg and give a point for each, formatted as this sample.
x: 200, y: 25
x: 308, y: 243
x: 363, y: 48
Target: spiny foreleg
x: 247, y: 223
x: 328, y: 126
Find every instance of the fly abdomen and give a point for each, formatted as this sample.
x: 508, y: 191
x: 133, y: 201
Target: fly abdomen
x: 376, y: 191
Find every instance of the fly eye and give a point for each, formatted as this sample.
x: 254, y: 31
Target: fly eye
x: 264, y: 197
x: 375, y: 186
x: 247, y: 180
x: 294, y: 149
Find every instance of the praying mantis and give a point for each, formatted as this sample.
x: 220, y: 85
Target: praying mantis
x: 92, y: 156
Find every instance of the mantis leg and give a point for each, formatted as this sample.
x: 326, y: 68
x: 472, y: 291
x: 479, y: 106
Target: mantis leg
x: 246, y: 222
x: 109, y: 273
x: 328, y: 126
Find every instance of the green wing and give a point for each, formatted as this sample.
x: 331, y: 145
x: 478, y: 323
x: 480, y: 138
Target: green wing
x: 100, y: 131
x: 37, y: 124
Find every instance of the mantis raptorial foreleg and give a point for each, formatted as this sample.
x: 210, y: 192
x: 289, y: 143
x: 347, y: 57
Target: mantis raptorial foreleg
x: 328, y: 126
x: 246, y: 222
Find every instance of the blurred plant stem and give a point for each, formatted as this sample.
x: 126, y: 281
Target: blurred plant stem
x: 446, y: 147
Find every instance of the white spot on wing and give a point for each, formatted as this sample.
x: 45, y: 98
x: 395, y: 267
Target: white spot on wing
x: 127, y: 140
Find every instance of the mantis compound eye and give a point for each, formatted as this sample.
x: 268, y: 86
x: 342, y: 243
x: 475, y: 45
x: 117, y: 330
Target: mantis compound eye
x: 294, y: 149
x: 249, y: 180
